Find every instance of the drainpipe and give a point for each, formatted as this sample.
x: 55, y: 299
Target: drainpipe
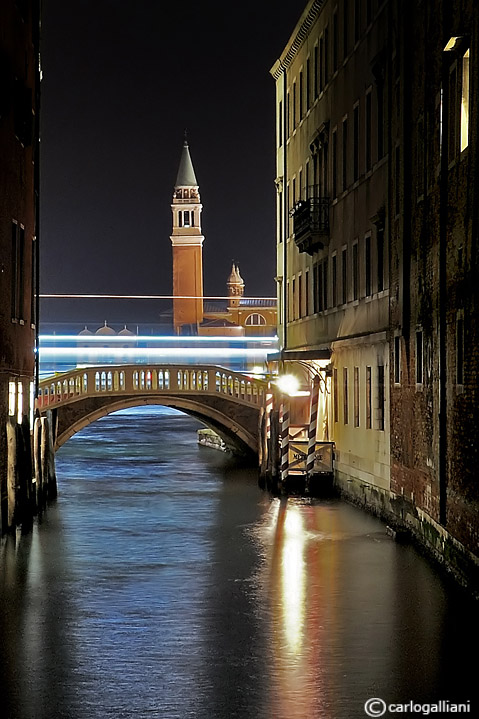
x: 36, y: 258
x: 442, y: 295
x: 285, y: 211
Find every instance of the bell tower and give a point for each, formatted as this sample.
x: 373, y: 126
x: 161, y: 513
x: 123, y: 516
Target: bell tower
x: 187, y: 245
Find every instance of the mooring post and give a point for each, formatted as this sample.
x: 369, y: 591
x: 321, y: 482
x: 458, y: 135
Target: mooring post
x: 284, y: 443
x: 313, y: 425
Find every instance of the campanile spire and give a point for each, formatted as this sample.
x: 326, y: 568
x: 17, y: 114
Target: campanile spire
x: 187, y: 245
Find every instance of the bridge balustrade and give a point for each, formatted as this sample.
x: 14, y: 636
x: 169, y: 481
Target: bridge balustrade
x: 93, y: 381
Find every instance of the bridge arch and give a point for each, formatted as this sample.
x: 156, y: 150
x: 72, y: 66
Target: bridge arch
x: 229, y: 402
x: 236, y: 437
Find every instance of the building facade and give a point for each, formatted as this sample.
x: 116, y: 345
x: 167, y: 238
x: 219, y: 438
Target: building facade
x: 19, y: 171
x: 376, y: 251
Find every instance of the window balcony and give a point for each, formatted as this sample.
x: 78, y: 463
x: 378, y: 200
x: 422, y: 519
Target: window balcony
x: 311, y: 224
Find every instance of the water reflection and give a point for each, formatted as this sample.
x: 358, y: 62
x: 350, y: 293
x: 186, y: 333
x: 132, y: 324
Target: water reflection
x: 170, y: 589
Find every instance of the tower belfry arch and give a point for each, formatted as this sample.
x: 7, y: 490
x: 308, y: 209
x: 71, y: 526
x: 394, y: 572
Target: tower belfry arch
x: 187, y: 247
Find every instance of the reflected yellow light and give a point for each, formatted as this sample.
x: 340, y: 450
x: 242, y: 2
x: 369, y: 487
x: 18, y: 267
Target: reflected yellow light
x: 293, y: 579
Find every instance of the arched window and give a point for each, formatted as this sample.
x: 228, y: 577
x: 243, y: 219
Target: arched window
x: 255, y: 319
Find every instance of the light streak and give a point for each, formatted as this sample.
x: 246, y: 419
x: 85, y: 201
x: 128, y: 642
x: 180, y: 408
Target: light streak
x: 48, y: 296
x: 148, y: 352
x: 151, y: 338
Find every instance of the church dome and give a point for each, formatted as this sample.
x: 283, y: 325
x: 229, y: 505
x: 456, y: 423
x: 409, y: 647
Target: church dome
x: 105, y: 330
x: 125, y: 332
x: 235, y: 277
x: 85, y: 331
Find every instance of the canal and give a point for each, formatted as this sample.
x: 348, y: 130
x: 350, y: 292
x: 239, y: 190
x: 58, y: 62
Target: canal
x: 164, y: 584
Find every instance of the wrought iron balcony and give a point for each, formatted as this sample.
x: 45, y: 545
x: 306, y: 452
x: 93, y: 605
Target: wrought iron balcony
x: 311, y: 224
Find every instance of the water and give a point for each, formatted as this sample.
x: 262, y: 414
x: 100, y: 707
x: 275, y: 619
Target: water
x: 164, y: 584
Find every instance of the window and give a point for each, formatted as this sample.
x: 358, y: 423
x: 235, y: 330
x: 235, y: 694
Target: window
x: 288, y: 114
x: 356, y: 143
x: 318, y: 287
x: 465, y: 101
x: 380, y: 120
x: 325, y: 283
x: 452, y: 135
x: 308, y: 84
x: 345, y: 275
x: 335, y: 42
x: 326, y: 55
x: 334, y: 279
x: 334, y: 188
x: 345, y: 396
x: 33, y: 278
x: 460, y: 349
x: 355, y: 272
x: 255, y: 319
x: 357, y: 20
x: 397, y: 179
x: 294, y: 104
x: 306, y: 294
x: 321, y: 65
x: 14, y: 272
x: 419, y: 357
x: 280, y: 123
x: 368, y: 143
x: 300, y: 296
x: 381, y: 397
x: 397, y: 359
x: 12, y: 397
x: 316, y: 71
x: 420, y: 157
x: 336, y: 395
x: 356, y: 396
x: 368, y: 397
x: 186, y: 218
x: 345, y: 153
x: 345, y: 28
x: 301, y: 95
x: 367, y: 264
x: 19, y: 402
x: 380, y: 257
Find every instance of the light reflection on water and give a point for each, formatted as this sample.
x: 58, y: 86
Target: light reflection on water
x: 165, y: 584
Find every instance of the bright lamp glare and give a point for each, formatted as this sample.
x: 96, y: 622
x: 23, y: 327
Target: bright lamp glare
x: 288, y: 384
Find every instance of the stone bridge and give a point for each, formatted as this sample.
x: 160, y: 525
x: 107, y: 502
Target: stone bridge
x: 226, y: 401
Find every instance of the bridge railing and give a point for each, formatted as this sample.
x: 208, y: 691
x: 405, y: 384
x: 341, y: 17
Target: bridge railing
x: 128, y: 380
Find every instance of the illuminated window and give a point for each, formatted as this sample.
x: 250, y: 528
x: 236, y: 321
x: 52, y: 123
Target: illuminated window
x: 12, y: 396
x: 32, y: 402
x: 465, y: 101
x: 19, y: 402
x: 255, y: 319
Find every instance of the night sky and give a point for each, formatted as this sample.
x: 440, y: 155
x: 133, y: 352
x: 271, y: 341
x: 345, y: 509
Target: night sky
x: 121, y: 81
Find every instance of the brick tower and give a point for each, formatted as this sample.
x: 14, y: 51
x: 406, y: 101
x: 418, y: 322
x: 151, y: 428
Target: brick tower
x: 187, y: 245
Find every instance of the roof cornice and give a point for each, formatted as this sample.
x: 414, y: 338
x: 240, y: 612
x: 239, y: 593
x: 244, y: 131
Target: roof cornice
x: 300, y: 32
